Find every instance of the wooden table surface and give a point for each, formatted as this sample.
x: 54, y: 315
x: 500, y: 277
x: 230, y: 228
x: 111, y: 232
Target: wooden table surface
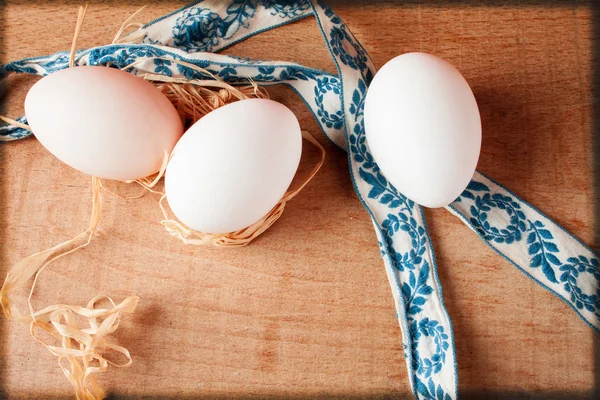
x: 306, y: 310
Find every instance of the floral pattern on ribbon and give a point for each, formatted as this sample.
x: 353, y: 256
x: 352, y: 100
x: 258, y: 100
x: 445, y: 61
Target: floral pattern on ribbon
x: 199, y: 28
x: 533, y: 243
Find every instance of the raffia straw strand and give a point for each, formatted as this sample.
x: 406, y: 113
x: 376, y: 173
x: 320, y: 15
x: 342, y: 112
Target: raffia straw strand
x: 81, y: 348
x: 15, y: 123
x: 137, y: 196
x: 126, y: 24
x: 78, y: 25
x: 94, y: 220
x: 292, y: 193
x: 146, y: 183
x: 173, y: 60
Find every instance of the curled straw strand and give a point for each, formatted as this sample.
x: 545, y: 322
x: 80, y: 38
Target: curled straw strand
x: 78, y: 25
x: 81, y: 348
x: 128, y: 23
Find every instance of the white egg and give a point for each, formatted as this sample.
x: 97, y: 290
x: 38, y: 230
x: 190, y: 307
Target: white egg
x: 423, y: 128
x: 233, y: 165
x: 103, y: 121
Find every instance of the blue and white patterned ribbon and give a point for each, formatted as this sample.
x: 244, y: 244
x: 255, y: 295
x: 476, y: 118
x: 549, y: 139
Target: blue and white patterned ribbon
x: 524, y: 236
x: 532, y: 242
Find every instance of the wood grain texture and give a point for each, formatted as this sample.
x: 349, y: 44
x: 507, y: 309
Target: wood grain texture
x: 306, y: 310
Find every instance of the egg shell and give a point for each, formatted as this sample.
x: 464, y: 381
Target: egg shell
x: 423, y: 128
x: 103, y: 121
x: 233, y: 165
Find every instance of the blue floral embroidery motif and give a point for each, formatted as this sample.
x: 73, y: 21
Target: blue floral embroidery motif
x: 286, y: 8
x: 59, y: 62
x: 47, y: 64
x: 18, y: 67
x: 228, y: 74
x: 121, y: 57
x: 162, y: 67
x: 358, y: 145
x: 198, y: 29
x: 381, y: 187
x: 295, y: 73
x: 512, y: 232
x: 329, y: 13
x: 265, y: 74
x: 406, y: 223
x: 431, y: 391
x: 571, y: 271
x: 201, y: 29
x: 239, y: 13
x: 357, y: 107
x: 191, y: 73
x: 331, y: 119
x: 427, y: 328
x: 340, y: 36
x: 541, y: 248
x: 416, y: 290
x: 473, y: 186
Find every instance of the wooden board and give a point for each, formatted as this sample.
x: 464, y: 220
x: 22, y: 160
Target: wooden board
x: 306, y: 310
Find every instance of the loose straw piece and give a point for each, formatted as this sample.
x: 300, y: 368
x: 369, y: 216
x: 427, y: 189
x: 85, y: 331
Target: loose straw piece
x: 10, y: 121
x: 15, y: 123
x: 25, y: 269
x: 81, y: 348
x: 78, y: 25
x: 127, y: 24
